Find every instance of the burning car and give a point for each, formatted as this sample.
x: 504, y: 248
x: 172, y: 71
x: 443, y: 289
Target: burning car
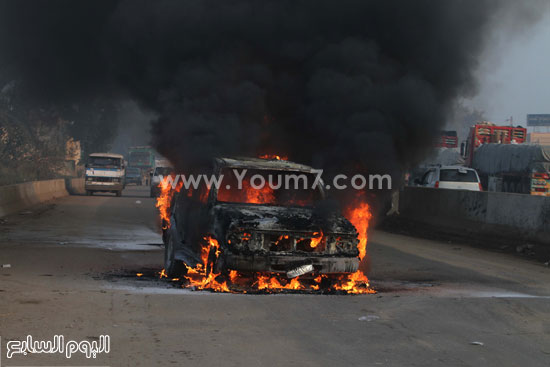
x: 275, y: 228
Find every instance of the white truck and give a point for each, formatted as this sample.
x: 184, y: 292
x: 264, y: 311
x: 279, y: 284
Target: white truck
x: 105, y: 172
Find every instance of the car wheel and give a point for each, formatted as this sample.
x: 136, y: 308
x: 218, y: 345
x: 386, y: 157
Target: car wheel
x: 119, y: 193
x: 174, y: 268
x: 89, y: 192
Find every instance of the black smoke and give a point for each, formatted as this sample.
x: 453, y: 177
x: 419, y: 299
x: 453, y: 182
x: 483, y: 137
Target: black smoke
x: 348, y: 86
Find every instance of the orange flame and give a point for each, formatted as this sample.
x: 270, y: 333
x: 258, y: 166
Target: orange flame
x: 355, y: 283
x: 164, y: 200
x: 359, y: 215
x: 264, y: 195
x: 273, y: 156
x: 271, y: 282
x: 249, y: 194
x: 202, y: 276
x: 315, y: 241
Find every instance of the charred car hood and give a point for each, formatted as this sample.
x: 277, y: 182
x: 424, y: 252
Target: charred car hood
x: 277, y: 218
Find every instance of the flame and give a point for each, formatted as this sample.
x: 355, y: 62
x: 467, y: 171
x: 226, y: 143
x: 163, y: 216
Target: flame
x: 164, y: 200
x: 315, y: 241
x: 359, y: 215
x: 355, y: 283
x: 202, y: 276
x: 273, y: 156
x: 265, y: 195
x: 233, y: 275
x: 271, y: 282
x: 249, y: 194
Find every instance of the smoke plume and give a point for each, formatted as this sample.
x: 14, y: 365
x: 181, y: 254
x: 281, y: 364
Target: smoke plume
x: 348, y: 86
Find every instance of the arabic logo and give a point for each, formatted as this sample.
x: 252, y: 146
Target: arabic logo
x: 58, y: 345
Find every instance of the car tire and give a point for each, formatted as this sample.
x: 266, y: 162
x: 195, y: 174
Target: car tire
x: 89, y: 192
x: 174, y: 268
x: 119, y: 194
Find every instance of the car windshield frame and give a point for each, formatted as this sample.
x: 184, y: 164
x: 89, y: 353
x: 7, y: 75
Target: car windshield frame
x: 316, y: 192
x: 140, y: 158
x: 104, y: 162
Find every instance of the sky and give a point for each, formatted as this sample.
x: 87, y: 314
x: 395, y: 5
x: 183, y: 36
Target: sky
x: 515, y: 75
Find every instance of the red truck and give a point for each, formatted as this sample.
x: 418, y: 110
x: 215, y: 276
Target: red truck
x: 447, y: 139
x: 489, y: 133
x: 504, y: 162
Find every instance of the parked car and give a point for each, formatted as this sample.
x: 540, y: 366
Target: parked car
x: 451, y: 177
x: 259, y: 230
x: 133, y: 175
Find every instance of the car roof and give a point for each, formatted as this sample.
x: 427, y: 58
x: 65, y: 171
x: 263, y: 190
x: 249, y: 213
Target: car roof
x: 107, y: 155
x: 261, y: 163
x: 457, y: 167
x: 449, y: 167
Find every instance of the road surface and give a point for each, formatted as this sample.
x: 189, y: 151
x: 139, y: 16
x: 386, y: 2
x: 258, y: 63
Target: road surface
x: 438, y: 303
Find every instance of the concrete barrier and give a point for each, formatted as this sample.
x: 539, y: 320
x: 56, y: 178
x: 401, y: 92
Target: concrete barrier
x: 505, y: 214
x: 14, y: 198
x: 75, y: 186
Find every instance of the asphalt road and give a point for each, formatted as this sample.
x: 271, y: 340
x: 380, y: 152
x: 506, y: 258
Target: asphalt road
x: 437, y: 302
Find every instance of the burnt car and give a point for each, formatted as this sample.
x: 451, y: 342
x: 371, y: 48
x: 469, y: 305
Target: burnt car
x: 267, y: 229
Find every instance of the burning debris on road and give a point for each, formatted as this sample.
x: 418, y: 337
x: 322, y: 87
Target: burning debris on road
x: 203, y: 277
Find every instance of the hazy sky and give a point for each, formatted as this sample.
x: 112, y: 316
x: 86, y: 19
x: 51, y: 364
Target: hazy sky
x: 515, y: 75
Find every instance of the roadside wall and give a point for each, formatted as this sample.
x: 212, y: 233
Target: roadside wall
x: 500, y: 213
x: 75, y: 186
x: 14, y: 198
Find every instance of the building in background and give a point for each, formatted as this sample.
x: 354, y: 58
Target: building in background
x: 539, y: 128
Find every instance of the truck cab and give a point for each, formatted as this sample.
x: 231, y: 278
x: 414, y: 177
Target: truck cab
x: 105, y: 172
